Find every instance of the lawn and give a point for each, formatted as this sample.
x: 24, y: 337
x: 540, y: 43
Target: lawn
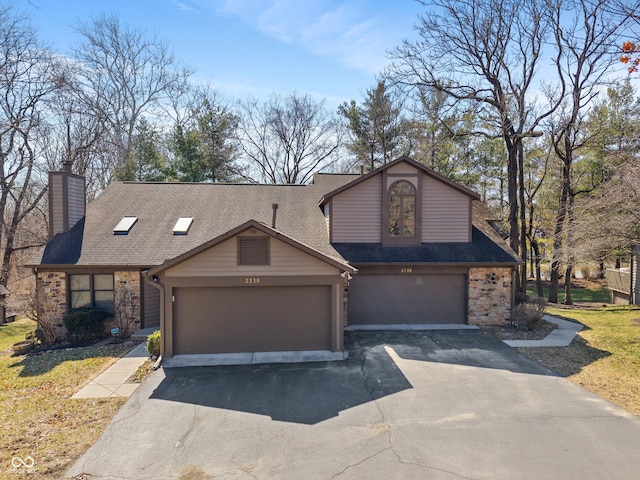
x: 38, y: 419
x: 604, y: 358
x: 578, y: 295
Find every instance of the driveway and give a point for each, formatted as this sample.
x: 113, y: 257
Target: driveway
x: 405, y: 405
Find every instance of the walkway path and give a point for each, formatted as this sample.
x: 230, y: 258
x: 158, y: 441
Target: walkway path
x: 113, y: 381
x: 560, y: 337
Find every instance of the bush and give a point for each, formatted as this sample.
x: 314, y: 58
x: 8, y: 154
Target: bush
x: 153, y: 344
x: 85, y: 323
x: 528, y: 314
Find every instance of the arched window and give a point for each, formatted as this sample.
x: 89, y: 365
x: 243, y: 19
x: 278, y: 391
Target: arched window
x: 402, y: 209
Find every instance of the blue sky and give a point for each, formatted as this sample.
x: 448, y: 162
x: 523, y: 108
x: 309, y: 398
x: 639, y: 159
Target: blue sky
x: 330, y: 49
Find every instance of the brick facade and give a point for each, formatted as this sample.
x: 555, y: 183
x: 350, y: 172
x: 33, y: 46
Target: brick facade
x: 127, y: 301
x: 490, y: 291
x: 51, y: 295
x: 52, y: 299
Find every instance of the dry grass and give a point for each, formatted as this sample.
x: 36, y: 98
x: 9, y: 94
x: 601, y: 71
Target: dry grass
x: 38, y: 418
x: 604, y: 358
x: 143, y: 372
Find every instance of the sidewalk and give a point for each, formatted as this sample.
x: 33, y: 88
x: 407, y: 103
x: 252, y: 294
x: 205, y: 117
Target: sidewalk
x: 112, y: 382
x: 560, y: 337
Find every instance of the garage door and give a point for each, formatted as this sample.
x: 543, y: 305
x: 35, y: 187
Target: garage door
x: 251, y: 319
x: 416, y: 299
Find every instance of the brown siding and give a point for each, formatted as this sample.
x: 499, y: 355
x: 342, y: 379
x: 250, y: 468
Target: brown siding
x: 402, y: 168
x: 151, y: 307
x: 222, y: 260
x: 66, y: 201
x: 445, y: 213
x: 76, y: 199
x: 56, y: 204
x: 356, y: 214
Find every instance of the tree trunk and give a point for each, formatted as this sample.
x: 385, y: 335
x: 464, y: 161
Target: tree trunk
x: 559, y: 230
x: 567, y: 284
x: 523, y: 218
x: 536, y: 250
x: 601, y: 267
x: 531, y: 260
x: 512, y: 191
x: 569, y: 249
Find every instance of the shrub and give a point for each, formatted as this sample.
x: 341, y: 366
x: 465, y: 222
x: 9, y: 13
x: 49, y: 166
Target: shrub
x: 85, y: 323
x: 153, y: 344
x: 528, y: 314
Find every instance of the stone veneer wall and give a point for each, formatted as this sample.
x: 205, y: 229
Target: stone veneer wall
x: 52, y: 298
x: 51, y: 294
x: 490, y: 300
x: 126, y: 287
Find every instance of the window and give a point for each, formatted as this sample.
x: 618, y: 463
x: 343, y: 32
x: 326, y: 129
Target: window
x: 182, y: 226
x: 402, y: 210
x: 94, y: 290
x: 124, y: 225
x: 253, y: 250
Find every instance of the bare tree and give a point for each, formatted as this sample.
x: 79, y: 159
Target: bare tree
x: 287, y: 140
x: 125, y: 74
x: 586, y: 33
x: 484, y: 52
x: 74, y: 134
x: 28, y: 74
x: 605, y: 221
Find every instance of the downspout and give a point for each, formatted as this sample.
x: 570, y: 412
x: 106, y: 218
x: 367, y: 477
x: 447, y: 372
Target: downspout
x: 155, y: 282
x: 37, y: 302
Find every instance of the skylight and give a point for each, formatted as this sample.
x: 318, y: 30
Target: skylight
x: 124, y: 226
x: 182, y: 225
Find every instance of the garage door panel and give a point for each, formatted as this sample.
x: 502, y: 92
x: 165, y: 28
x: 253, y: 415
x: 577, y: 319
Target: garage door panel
x: 413, y: 299
x: 252, y: 319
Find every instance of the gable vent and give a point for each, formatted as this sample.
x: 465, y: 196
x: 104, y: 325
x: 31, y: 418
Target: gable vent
x: 124, y: 226
x: 182, y: 226
x: 253, y: 250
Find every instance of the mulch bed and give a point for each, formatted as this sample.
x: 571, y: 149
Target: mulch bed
x: 510, y: 332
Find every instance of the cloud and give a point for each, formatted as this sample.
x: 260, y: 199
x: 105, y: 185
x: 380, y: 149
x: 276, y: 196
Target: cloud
x: 183, y: 6
x: 339, y: 29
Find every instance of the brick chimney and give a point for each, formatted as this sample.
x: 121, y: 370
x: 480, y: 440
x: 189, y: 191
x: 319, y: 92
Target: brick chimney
x: 67, y: 199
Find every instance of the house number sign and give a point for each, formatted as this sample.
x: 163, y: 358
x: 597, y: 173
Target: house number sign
x: 252, y: 280
x: 406, y: 270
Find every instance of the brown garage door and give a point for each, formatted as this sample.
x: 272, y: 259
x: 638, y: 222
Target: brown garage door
x: 415, y: 299
x: 252, y: 319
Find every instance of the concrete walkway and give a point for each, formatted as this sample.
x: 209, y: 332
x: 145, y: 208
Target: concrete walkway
x: 113, y: 381
x: 560, y: 337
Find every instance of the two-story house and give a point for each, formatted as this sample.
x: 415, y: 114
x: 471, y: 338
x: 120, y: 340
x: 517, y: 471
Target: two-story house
x: 226, y: 268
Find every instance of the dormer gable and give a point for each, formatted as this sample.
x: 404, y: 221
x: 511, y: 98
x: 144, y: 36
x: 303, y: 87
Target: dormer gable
x: 401, y: 203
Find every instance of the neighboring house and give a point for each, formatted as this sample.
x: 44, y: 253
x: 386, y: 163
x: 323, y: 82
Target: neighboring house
x: 251, y: 268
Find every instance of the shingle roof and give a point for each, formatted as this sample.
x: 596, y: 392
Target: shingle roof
x: 481, y: 250
x: 215, y: 208
x: 218, y: 208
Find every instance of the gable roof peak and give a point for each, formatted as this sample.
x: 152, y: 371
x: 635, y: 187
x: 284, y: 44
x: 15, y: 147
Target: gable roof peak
x: 403, y: 159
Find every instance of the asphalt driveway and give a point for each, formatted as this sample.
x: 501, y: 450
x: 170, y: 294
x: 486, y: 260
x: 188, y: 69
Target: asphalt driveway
x: 405, y: 405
